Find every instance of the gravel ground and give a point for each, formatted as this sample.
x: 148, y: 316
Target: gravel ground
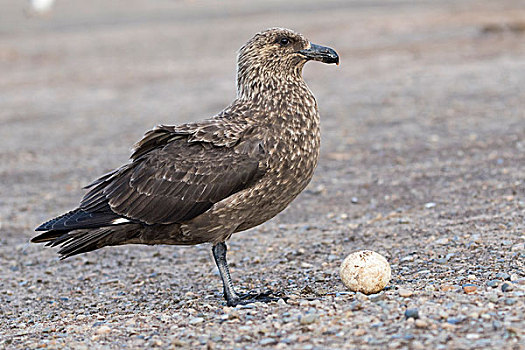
x: 423, y: 161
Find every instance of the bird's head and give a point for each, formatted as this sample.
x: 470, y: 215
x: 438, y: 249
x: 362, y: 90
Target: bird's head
x: 277, y: 53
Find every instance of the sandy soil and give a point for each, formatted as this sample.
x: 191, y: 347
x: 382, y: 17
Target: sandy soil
x: 423, y: 160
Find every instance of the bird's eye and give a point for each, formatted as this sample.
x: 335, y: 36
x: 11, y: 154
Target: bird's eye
x: 284, y: 41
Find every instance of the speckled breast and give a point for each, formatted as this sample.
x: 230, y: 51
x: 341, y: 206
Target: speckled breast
x: 293, y: 152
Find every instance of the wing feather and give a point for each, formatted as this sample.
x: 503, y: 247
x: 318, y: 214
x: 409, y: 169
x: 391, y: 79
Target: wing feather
x: 174, y: 178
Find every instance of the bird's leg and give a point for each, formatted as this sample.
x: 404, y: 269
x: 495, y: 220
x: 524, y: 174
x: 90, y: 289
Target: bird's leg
x: 219, y: 254
x: 232, y: 298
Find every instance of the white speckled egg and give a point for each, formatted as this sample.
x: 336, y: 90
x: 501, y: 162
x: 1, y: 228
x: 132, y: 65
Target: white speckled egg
x: 365, y: 271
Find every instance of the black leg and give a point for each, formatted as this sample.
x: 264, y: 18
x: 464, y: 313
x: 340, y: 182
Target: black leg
x: 232, y: 298
x: 219, y: 253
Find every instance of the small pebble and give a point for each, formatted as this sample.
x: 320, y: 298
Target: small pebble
x: 507, y: 287
x: 509, y: 301
x: 405, y: 293
x: 442, y: 241
x: 408, y: 258
x: 503, y: 276
x: 430, y: 288
x: 469, y: 288
x: 103, y: 330
x: 308, y: 319
x: 493, y: 298
x: 376, y: 297
x: 421, y: 323
x: 454, y: 320
x: 196, y: 320
x: 493, y: 283
x: 473, y: 315
x: 416, y: 345
x: 267, y: 341
x: 359, y: 332
x: 448, y: 326
x: 447, y: 288
x: 412, y: 313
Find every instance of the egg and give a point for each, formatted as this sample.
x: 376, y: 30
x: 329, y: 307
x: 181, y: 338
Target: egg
x: 365, y: 271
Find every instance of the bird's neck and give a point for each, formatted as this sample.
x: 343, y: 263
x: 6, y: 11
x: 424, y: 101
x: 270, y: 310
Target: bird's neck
x: 284, y: 101
x: 257, y: 84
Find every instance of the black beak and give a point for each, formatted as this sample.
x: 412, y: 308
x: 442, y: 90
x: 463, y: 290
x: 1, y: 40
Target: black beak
x: 320, y: 53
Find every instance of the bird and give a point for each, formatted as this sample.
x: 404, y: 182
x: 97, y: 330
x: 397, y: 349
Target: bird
x: 201, y: 182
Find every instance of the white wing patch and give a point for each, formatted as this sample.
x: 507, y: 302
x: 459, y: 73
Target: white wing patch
x: 120, y: 221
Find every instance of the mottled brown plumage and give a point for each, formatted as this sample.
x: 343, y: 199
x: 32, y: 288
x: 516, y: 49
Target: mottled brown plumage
x: 201, y: 182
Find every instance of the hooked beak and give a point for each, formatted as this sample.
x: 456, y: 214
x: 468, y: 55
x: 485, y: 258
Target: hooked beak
x: 320, y: 53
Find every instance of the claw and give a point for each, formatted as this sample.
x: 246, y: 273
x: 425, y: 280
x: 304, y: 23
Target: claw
x: 232, y: 298
x: 249, y: 298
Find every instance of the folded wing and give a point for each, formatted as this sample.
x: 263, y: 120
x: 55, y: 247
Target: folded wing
x: 174, y: 178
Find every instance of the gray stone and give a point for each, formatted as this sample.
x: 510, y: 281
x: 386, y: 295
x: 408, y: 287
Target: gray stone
x: 412, y: 313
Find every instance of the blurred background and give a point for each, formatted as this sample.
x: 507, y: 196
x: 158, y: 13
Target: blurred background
x: 81, y: 81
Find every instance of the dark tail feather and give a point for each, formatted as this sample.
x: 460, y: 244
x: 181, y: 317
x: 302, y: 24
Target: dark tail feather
x: 75, y: 242
x: 80, y: 231
x: 58, y: 221
x: 83, y: 241
x: 49, y: 236
x: 80, y: 219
